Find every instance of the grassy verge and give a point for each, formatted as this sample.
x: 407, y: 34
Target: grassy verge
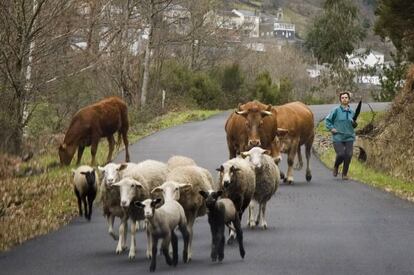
x: 36, y: 205
x: 363, y: 173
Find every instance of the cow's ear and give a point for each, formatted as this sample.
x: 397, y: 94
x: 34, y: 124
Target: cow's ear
x: 239, y: 107
x: 269, y: 108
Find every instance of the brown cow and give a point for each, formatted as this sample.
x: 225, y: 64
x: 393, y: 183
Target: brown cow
x: 251, y: 125
x: 93, y: 122
x: 297, y: 119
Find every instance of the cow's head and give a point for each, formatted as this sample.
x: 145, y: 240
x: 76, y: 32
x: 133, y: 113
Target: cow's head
x: 254, y: 113
x: 66, y: 153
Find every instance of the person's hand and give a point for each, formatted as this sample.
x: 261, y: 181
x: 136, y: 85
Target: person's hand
x: 354, y: 124
x: 334, y: 131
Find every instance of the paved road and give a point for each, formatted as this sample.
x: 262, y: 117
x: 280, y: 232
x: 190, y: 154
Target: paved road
x: 325, y: 227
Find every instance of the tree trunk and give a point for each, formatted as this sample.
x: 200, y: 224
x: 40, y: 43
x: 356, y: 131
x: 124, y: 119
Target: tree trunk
x: 147, y: 60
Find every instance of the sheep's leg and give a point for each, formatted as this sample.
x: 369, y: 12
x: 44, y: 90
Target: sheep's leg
x: 259, y: 214
x: 174, y: 242
x: 190, y: 231
x: 85, y: 207
x: 111, y: 143
x: 79, y: 202
x: 220, y: 242
x: 110, y: 219
x: 80, y: 153
x: 149, y: 244
x: 122, y: 237
x: 91, y: 198
x: 186, y: 236
x: 154, y: 253
x: 263, y: 220
x: 250, y: 221
x: 214, y: 242
x: 239, y: 232
x: 165, y: 245
x: 133, y: 243
x: 124, y: 246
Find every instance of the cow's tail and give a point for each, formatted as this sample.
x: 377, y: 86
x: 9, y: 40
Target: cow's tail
x: 118, y: 144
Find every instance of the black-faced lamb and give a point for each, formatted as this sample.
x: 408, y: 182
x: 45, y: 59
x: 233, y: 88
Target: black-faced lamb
x: 183, y: 184
x: 161, y: 224
x: 85, y: 187
x: 267, y: 182
x: 221, y: 212
x: 238, y: 181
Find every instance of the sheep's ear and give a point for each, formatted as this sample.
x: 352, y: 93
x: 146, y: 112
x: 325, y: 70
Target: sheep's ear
x: 83, y: 173
x: 156, y: 189
x: 267, y: 152
x: 122, y: 166
x: 139, y: 204
x: 220, y: 169
x: 219, y: 193
x: 116, y: 184
x: 101, y: 169
x: 73, y: 172
x: 244, y: 154
x: 155, y: 202
x: 234, y: 169
x: 185, y: 186
x: 203, y: 194
x: 137, y: 184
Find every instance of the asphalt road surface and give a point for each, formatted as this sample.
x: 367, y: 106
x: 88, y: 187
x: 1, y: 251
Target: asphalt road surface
x: 326, y: 226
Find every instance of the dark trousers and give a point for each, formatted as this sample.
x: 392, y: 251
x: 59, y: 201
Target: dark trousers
x: 344, y: 152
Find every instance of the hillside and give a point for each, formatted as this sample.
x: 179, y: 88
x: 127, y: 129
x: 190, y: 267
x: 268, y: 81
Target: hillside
x: 301, y: 13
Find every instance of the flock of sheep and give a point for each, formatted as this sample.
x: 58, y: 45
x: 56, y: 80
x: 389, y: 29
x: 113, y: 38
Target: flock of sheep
x: 162, y: 197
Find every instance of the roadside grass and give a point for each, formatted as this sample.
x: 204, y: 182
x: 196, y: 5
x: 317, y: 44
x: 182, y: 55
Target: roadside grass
x: 363, y: 173
x: 35, y: 205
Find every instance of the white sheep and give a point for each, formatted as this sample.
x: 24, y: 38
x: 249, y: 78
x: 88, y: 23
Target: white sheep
x: 238, y: 181
x: 131, y: 190
x: 267, y: 182
x: 85, y: 188
x: 176, y: 161
x: 161, y: 224
x: 183, y: 185
x: 221, y: 212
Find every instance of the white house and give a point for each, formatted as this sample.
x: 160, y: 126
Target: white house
x: 247, y: 21
x: 365, y: 59
x: 284, y: 30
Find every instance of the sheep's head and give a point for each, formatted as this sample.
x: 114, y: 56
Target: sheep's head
x: 111, y: 173
x: 149, y: 206
x: 228, y: 174
x: 128, y: 189
x: 90, y: 177
x: 255, y: 156
x: 210, y: 197
x: 171, y: 190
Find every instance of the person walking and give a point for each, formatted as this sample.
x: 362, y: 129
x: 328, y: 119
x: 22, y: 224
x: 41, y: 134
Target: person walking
x: 341, y: 124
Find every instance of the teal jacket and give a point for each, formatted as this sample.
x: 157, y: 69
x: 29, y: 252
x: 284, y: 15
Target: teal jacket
x: 341, y: 119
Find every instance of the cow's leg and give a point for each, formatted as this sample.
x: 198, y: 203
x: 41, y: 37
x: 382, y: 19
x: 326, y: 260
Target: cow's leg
x: 299, y: 163
x: 308, y: 148
x: 111, y: 143
x: 94, y: 149
x: 291, y: 161
x: 80, y: 153
x: 232, y: 149
x: 125, y: 139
